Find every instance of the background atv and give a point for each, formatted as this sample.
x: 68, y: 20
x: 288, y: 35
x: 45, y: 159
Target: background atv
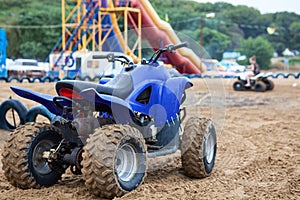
x: 259, y: 83
x: 108, y: 131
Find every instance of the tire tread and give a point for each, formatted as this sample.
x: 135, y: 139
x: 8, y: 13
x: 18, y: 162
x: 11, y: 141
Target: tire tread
x: 14, y: 156
x: 98, y: 159
x: 191, y: 148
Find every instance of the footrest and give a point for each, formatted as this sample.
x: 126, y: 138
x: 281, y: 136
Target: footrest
x: 153, y: 147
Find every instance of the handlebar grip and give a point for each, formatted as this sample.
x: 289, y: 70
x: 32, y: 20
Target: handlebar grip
x: 124, y: 57
x: 184, y: 44
x: 100, y: 56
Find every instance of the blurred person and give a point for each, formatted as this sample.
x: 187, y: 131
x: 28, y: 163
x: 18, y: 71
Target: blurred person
x: 254, y: 67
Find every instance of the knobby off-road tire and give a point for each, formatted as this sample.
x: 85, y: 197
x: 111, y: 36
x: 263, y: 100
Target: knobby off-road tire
x: 22, y: 161
x: 13, y: 79
x: 198, y: 147
x: 46, y: 79
x: 25, y: 79
x: 238, y: 86
x: 269, y: 84
x: 260, y: 86
x: 114, y: 160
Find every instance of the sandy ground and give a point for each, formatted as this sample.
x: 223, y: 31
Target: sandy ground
x: 258, y: 149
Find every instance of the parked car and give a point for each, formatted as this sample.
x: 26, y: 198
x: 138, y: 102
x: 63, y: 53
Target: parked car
x: 27, y: 67
x: 213, y: 64
x: 232, y: 66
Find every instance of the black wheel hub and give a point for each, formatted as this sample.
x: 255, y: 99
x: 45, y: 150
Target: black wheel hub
x: 40, y: 163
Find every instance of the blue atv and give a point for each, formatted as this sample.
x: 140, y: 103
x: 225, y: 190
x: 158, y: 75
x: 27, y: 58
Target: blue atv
x: 108, y: 131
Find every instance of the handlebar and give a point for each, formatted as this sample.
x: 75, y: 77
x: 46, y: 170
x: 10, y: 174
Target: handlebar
x: 170, y: 48
x: 111, y: 57
x: 99, y: 56
x: 178, y: 46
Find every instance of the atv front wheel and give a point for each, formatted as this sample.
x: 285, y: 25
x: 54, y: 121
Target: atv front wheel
x: 23, y: 162
x: 114, y: 160
x: 198, y: 147
x: 238, y: 86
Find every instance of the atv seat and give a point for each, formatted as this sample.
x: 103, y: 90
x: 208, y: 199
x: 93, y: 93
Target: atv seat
x: 257, y: 76
x: 120, y: 86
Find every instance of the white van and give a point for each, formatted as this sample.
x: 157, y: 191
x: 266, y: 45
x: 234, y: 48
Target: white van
x: 27, y: 67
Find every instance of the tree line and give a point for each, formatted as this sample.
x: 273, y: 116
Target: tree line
x: 233, y: 28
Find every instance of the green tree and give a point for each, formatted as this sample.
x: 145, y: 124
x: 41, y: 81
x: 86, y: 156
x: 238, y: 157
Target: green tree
x: 232, y: 23
x: 245, y: 18
x: 214, y: 42
x: 295, y: 37
x: 32, y: 49
x: 283, y: 21
x: 259, y: 47
x: 31, y: 42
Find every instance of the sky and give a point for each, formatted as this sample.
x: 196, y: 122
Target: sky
x: 264, y: 6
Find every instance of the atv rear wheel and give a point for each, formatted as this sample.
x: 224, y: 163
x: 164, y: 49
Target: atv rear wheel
x: 114, y: 160
x: 260, y: 86
x: 238, y: 86
x: 23, y: 162
x: 198, y: 147
x: 269, y: 84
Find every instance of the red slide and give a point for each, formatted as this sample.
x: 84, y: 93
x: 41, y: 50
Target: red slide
x: 158, y: 34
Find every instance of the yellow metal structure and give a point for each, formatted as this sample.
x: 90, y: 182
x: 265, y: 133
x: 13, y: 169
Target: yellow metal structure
x: 76, y: 24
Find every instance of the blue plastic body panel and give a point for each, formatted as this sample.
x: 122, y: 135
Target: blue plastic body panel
x: 164, y: 101
x: 44, y: 99
x: 121, y: 109
x: 166, y: 93
x: 104, y: 80
x: 163, y: 96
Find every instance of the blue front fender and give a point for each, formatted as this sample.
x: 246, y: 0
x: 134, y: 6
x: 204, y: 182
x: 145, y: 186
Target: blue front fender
x: 172, y: 94
x: 121, y: 110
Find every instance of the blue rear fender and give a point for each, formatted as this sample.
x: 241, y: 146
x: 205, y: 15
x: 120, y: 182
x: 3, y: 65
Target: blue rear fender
x: 121, y: 110
x: 44, y: 99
